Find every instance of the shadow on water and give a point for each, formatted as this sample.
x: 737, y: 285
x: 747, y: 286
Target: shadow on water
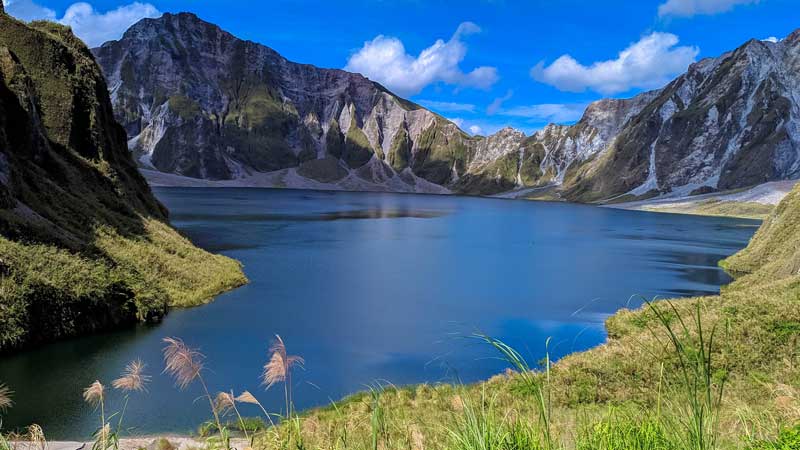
x: 380, y: 287
x: 317, y: 217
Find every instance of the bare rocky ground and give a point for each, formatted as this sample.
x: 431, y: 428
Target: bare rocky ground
x: 768, y: 194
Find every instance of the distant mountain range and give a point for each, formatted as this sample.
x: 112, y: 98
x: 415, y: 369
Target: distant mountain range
x: 198, y: 102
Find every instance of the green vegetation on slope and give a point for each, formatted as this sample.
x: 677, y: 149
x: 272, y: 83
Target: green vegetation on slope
x: 357, y: 149
x: 84, y: 245
x: 440, y: 149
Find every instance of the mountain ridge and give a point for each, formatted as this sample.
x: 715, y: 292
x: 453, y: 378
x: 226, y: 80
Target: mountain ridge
x: 243, y: 111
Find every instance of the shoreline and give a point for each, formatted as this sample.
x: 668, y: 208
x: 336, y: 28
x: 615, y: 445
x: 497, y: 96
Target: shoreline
x: 147, y: 442
x: 755, y: 202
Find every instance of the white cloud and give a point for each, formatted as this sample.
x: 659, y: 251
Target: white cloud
x: 498, y: 102
x: 649, y: 63
x: 27, y: 10
x: 550, y: 112
x: 87, y: 23
x: 772, y: 39
x: 466, y: 125
x: 458, y: 121
x: 689, y: 8
x: 384, y: 59
x: 447, y: 106
x: 95, y: 27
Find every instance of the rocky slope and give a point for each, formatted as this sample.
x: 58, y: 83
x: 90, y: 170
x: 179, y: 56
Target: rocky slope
x: 199, y: 103
x: 83, y: 242
x: 728, y: 122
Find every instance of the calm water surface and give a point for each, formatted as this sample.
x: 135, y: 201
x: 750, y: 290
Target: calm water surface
x: 374, y: 287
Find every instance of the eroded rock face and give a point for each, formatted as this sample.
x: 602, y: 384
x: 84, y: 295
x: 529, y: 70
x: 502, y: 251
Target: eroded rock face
x: 198, y: 102
x: 728, y: 122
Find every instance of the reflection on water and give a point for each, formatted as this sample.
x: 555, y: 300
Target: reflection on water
x: 381, y: 286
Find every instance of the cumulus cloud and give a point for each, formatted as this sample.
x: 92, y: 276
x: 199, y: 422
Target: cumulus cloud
x: 447, y: 106
x: 649, y: 63
x: 550, y: 112
x: 689, y: 8
x: 27, y: 10
x: 466, y: 125
x: 384, y: 59
x: 95, y: 27
x: 92, y: 26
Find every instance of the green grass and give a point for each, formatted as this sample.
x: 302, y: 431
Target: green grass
x: 789, y: 439
x: 50, y: 293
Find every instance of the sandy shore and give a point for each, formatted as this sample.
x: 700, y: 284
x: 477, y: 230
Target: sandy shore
x: 753, y: 202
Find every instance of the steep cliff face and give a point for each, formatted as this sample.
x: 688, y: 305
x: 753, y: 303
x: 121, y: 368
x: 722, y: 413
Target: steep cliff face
x: 198, y: 102
x: 729, y: 122
x: 80, y: 230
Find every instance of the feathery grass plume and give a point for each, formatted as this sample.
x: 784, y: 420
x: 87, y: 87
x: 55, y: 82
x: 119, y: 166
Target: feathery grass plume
x: 133, y: 378
x: 224, y: 402
x: 247, y: 397
x: 279, y: 370
x: 36, y: 437
x: 5, y: 398
x: 185, y: 364
x: 182, y: 363
x: 94, y: 394
x: 102, y: 438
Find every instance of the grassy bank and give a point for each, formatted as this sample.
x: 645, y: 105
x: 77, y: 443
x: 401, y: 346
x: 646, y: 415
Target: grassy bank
x: 50, y: 293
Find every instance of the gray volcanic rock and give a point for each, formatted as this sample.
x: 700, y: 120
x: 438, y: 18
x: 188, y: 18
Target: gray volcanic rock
x: 728, y: 122
x: 198, y: 102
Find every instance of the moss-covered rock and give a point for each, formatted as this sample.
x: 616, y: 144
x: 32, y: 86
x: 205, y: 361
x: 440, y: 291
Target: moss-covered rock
x: 84, y: 245
x: 357, y: 149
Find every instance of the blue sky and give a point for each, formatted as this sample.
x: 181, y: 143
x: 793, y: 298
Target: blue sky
x: 484, y: 63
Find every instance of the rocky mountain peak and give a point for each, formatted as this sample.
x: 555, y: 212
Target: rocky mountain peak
x: 198, y: 102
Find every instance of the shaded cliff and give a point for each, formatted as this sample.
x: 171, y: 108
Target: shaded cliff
x: 84, y: 244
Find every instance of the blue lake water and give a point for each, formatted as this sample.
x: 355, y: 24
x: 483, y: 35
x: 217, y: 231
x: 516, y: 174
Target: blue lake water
x: 370, y: 287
